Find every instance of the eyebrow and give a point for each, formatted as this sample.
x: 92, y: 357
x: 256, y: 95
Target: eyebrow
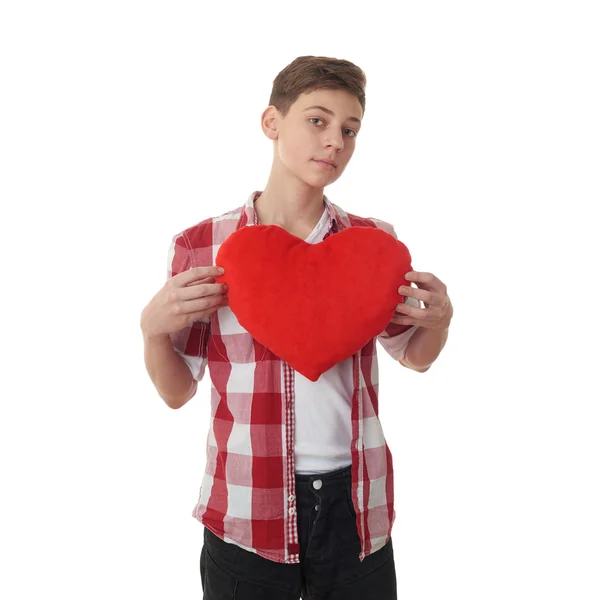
x: 329, y: 112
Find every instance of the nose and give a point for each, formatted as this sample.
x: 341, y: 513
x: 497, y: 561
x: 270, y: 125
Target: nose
x: 335, y: 141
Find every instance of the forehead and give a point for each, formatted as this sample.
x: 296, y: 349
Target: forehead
x: 341, y: 102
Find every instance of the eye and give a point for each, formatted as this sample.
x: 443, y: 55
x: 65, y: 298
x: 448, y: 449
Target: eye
x: 352, y: 132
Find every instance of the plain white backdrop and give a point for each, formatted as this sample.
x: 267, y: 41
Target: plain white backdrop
x: 123, y: 123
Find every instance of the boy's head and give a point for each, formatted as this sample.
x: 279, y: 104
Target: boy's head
x: 303, y: 134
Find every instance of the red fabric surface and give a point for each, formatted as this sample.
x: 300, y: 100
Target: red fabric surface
x: 275, y: 278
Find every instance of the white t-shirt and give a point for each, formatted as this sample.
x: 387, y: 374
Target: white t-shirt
x: 323, y: 429
x: 323, y: 407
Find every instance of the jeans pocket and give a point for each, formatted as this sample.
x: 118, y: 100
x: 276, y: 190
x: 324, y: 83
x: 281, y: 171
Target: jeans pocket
x: 349, y: 503
x: 216, y: 583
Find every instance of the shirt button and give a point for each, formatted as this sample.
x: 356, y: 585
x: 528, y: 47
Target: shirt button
x: 292, y: 511
x: 292, y: 498
x: 317, y: 484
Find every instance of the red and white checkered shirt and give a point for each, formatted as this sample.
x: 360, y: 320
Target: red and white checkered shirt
x: 247, y: 495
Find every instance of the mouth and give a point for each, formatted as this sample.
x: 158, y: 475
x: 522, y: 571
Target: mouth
x: 325, y: 164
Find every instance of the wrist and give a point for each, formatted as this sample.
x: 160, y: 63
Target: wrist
x: 155, y: 338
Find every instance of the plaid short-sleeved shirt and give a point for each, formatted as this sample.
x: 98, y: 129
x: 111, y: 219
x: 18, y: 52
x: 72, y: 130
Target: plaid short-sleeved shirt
x: 247, y: 495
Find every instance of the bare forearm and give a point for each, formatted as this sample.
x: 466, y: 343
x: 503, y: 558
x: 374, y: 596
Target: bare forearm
x: 425, y: 346
x: 168, y: 371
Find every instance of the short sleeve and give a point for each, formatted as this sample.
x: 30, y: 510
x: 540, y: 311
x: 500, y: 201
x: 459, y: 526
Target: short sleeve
x: 191, y: 343
x: 395, y: 338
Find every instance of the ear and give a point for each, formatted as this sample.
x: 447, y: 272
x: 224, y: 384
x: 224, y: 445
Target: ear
x: 268, y: 122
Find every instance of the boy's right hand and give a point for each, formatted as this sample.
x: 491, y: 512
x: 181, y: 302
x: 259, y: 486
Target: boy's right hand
x: 185, y: 298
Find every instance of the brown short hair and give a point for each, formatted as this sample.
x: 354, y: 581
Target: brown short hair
x: 310, y: 73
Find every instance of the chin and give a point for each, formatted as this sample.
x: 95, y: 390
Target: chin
x: 319, y: 183
x: 325, y: 178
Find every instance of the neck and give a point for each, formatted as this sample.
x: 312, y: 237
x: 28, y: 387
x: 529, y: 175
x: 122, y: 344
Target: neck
x: 288, y: 210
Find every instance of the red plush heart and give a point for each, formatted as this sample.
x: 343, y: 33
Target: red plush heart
x: 313, y: 305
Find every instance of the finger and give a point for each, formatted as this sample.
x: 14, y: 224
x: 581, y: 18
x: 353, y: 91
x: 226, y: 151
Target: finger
x: 429, y: 298
x: 206, y: 312
x: 197, y: 273
x: 413, y: 311
x: 402, y: 320
x: 207, y: 280
x: 202, y: 305
x: 428, y: 281
x: 201, y: 290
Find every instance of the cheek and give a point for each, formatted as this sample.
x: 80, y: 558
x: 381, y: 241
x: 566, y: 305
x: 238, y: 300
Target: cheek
x: 297, y: 147
x: 348, y: 152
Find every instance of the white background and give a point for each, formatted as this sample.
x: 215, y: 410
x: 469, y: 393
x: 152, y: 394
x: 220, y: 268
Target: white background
x: 123, y: 123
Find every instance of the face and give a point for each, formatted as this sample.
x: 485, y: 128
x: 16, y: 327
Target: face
x: 309, y: 134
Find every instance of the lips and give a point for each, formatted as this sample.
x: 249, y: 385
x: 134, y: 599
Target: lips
x: 326, y: 162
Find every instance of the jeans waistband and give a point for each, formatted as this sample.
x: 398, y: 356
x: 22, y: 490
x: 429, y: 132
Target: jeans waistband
x: 330, y: 477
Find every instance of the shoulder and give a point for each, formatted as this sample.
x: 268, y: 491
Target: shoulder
x: 352, y: 220
x: 210, y: 232
x: 197, y: 245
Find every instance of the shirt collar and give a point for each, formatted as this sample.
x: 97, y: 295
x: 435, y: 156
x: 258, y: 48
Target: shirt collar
x: 338, y: 219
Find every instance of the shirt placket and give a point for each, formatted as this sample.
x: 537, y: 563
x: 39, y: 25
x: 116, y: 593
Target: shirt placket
x: 293, y: 545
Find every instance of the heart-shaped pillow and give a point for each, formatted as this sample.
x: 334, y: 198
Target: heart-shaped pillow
x: 313, y: 305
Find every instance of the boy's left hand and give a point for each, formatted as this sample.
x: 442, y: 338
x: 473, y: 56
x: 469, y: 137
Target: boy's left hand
x: 432, y: 292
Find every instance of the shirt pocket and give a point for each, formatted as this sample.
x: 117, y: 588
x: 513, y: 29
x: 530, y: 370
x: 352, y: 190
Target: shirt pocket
x: 233, y: 343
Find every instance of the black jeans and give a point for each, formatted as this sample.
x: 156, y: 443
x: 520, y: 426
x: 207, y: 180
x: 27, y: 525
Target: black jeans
x: 329, y: 547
